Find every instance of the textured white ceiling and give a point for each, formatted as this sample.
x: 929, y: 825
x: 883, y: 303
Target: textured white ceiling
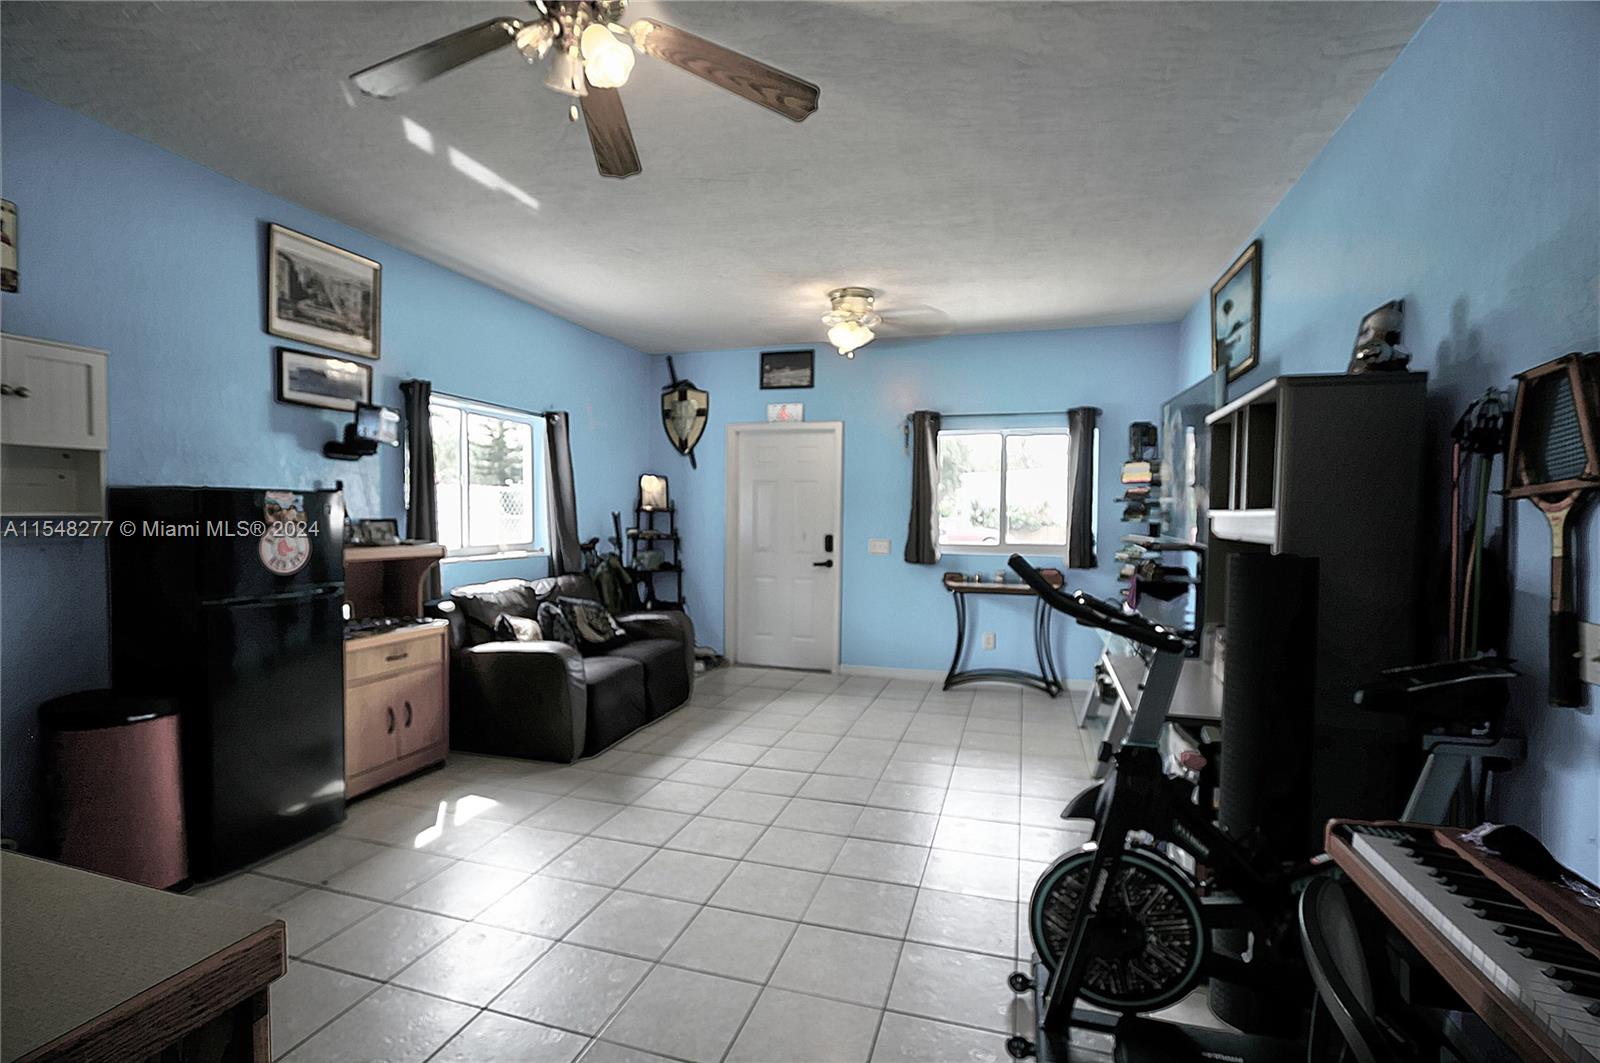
x: 986, y: 166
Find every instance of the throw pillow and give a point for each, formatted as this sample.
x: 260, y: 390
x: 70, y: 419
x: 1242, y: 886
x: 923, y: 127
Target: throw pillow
x: 555, y: 625
x: 595, y: 627
x: 511, y: 628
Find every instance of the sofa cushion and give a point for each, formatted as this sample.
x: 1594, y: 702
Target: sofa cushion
x: 617, y: 702
x: 482, y: 603
x: 595, y: 628
x: 555, y: 625
x: 666, y: 682
x: 513, y: 628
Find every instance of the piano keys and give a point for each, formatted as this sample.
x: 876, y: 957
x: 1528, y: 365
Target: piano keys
x: 1534, y: 980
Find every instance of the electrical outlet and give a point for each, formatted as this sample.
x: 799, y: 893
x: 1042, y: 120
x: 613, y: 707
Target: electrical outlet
x: 988, y: 640
x: 878, y: 546
x: 1589, y: 636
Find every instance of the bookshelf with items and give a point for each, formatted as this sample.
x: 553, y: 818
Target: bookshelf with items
x: 1142, y: 566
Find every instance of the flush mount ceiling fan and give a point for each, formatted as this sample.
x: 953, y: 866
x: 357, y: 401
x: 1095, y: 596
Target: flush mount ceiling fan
x: 855, y: 319
x: 591, y: 61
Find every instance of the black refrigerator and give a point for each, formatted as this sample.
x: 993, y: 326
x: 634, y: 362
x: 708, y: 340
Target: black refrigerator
x: 231, y: 600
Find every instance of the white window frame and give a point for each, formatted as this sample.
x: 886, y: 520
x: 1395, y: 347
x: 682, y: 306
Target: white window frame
x: 539, y: 478
x: 1004, y: 548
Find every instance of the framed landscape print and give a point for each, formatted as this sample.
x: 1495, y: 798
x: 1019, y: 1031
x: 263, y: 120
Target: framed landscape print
x: 322, y: 380
x: 1236, y: 315
x: 321, y: 294
x: 786, y: 369
x: 8, y: 246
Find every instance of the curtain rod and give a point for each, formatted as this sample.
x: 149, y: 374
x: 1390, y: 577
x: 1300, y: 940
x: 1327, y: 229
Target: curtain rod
x: 1021, y: 413
x: 494, y: 407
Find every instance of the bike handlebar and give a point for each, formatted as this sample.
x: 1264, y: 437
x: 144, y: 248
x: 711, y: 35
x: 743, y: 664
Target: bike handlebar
x: 1098, y: 612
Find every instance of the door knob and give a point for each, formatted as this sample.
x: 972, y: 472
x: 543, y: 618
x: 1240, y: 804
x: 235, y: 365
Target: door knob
x: 822, y: 564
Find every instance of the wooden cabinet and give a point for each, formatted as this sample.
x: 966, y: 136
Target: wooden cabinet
x: 396, y: 705
x: 53, y: 431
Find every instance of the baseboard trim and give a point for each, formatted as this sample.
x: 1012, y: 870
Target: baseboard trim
x: 933, y: 675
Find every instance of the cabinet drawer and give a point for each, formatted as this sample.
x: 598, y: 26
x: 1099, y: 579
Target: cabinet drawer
x: 393, y: 655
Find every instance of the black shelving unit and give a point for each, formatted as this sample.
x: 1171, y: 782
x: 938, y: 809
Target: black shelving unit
x: 646, y: 535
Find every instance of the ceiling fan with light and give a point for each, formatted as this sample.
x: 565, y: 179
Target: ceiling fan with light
x: 592, y: 59
x: 854, y: 319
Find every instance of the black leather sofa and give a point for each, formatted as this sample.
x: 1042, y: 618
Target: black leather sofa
x: 546, y: 700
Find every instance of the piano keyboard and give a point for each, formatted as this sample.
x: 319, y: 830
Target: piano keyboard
x: 1543, y: 974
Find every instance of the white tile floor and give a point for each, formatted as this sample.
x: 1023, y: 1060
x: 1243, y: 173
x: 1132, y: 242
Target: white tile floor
x: 790, y: 867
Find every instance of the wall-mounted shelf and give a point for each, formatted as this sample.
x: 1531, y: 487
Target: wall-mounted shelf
x: 1246, y: 525
x: 53, y: 431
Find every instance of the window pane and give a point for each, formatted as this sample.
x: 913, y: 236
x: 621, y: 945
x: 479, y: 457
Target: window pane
x: 445, y: 424
x: 1036, y: 489
x: 969, y: 489
x: 500, y: 482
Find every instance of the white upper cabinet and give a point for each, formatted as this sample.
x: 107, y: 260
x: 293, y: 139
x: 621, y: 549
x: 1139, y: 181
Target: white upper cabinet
x: 52, y: 395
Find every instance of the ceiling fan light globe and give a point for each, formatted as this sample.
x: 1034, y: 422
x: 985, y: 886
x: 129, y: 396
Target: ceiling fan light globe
x: 850, y: 336
x: 606, y: 61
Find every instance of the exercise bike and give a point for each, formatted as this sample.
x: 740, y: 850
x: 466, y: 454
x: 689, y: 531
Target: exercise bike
x: 1122, y: 927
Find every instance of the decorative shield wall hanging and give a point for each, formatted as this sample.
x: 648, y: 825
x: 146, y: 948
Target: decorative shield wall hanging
x: 683, y: 414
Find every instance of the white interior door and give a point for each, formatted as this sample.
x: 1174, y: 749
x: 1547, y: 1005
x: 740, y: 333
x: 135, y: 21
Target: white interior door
x: 787, y: 560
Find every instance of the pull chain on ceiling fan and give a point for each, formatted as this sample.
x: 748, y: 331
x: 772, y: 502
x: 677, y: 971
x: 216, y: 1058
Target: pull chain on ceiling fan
x: 593, y: 59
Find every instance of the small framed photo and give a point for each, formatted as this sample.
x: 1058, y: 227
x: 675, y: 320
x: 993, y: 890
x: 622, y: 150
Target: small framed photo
x: 787, y: 369
x: 381, y: 531
x: 653, y: 492
x: 322, y: 380
x: 1236, y: 315
x: 322, y: 294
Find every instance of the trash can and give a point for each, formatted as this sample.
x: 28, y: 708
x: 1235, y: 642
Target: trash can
x: 116, y: 785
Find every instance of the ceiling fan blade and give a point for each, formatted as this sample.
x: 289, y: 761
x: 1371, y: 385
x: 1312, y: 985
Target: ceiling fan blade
x: 609, y: 135
x: 739, y: 74
x: 425, y: 62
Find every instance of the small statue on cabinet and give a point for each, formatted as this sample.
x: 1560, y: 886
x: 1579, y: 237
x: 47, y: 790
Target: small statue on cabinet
x: 1378, y: 341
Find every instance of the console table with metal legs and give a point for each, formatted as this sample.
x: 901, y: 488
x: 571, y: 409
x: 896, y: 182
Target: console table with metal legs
x: 1046, y: 679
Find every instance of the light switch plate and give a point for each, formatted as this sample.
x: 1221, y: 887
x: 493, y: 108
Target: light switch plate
x: 878, y: 546
x: 1589, y: 634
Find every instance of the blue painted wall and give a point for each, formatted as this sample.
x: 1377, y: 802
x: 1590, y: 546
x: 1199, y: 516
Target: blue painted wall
x: 895, y: 614
x: 1468, y: 183
x: 160, y: 261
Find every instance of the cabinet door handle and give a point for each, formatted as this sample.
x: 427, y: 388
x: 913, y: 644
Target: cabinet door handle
x: 390, y: 711
x: 408, y: 714
x: 20, y: 391
x: 402, y: 655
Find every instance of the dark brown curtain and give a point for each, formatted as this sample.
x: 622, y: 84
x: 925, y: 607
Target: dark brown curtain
x: 1080, y: 486
x: 422, y: 504
x: 922, y: 537
x: 566, y: 556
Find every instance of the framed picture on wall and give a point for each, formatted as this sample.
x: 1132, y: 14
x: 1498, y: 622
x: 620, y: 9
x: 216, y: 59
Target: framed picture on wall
x: 8, y: 246
x: 786, y: 369
x: 322, y: 380
x: 1236, y: 315
x: 322, y: 294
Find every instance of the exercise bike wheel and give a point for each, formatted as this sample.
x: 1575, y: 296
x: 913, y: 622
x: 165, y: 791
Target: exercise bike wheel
x: 1157, y: 937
